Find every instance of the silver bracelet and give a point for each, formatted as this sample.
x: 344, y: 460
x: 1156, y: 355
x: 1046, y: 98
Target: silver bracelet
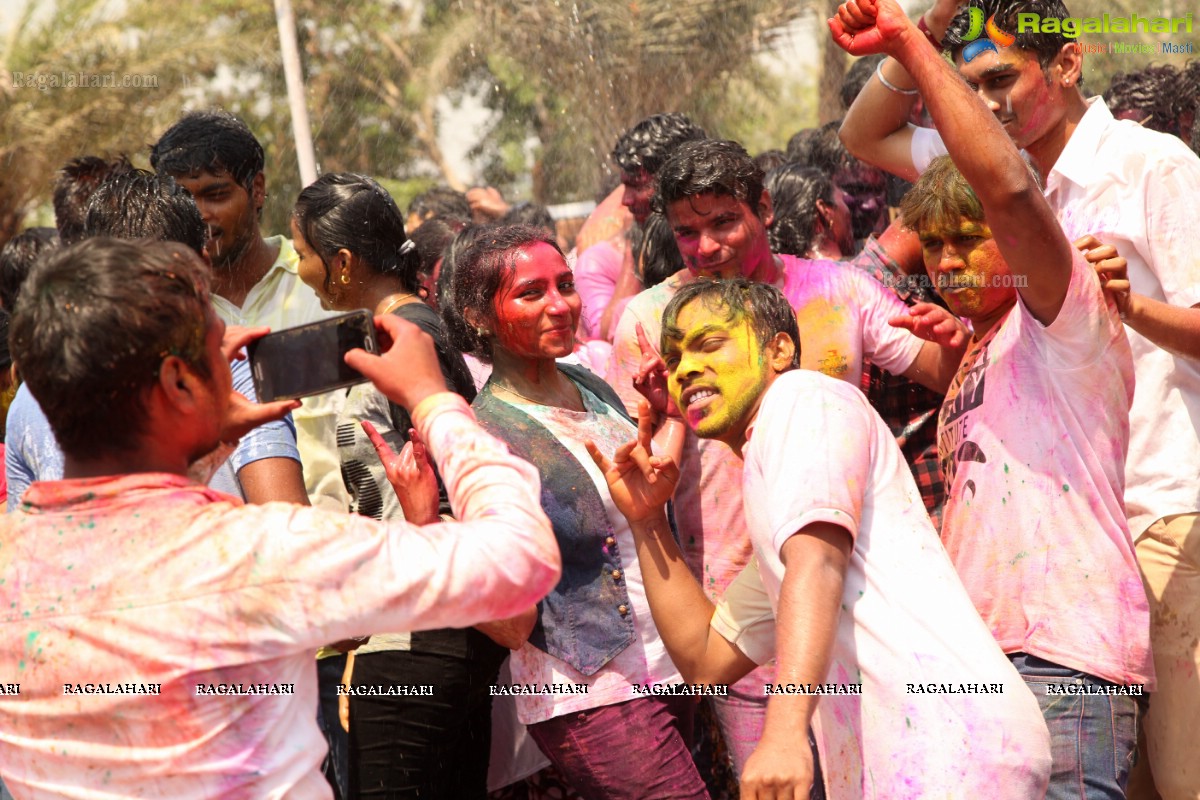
x: 889, y: 85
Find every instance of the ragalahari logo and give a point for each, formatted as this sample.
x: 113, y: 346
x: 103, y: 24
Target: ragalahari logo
x: 994, y: 40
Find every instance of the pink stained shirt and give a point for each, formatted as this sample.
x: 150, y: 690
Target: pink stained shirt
x: 1033, y: 437
x: 597, y: 270
x: 149, y: 579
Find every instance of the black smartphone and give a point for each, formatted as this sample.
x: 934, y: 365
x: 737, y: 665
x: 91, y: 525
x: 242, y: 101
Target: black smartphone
x: 309, y: 359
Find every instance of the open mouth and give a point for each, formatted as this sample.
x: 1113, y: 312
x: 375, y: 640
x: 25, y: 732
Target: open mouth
x: 697, y: 397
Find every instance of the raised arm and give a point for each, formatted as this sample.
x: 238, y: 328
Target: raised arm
x: 877, y: 128
x: 1021, y: 222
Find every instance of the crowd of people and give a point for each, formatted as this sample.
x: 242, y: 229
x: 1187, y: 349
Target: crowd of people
x: 863, y: 468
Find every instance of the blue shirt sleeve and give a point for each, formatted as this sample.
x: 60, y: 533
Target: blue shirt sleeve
x: 31, y: 451
x: 273, y: 440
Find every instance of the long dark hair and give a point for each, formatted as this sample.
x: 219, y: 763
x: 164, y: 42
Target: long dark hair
x: 342, y: 210
x: 478, y: 262
x: 794, y: 190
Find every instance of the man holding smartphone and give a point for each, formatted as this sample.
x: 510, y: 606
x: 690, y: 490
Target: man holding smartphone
x: 148, y: 610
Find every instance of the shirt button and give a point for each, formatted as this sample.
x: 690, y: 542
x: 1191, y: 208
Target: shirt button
x: 624, y: 609
x: 616, y: 573
x: 610, y: 541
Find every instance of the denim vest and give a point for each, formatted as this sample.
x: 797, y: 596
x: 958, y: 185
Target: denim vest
x: 586, y: 619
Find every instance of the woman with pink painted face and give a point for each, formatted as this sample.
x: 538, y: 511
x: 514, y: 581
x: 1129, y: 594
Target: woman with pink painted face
x: 589, y: 679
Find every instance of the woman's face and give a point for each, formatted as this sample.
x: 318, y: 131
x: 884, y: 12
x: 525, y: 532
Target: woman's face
x: 314, y: 272
x: 537, y: 309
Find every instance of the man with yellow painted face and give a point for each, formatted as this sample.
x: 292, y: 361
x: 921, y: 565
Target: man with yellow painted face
x: 712, y: 194
x: 1034, y: 430
x: 876, y: 641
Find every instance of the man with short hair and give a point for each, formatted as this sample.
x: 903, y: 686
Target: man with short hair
x: 876, y: 642
x: 73, y: 187
x: 1034, y: 430
x: 163, y: 632
x: 713, y: 196
x: 265, y: 465
x: 605, y: 273
x: 1134, y: 189
x: 256, y: 281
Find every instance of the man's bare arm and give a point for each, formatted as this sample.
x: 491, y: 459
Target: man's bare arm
x: 273, y: 479
x: 682, y: 613
x: 876, y: 128
x: 815, y: 562
x: 640, y: 485
x: 1022, y: 222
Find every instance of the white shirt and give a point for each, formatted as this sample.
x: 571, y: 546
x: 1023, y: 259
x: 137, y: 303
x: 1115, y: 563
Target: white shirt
x: 151, y: 579
x: 282, y: 300
x: 1137, y: 190
x: 818, y: 452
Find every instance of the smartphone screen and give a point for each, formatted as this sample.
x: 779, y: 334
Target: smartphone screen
x: 308, y: 360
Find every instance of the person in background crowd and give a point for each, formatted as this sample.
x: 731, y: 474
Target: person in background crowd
x: 605, y: 269
x: 440, y: 202
x: 864, y: 185
x: 73, y: 187
x: 811, y: 216
x: 657, y: 255
x: 1154, y: 97
x: 18, y: 257
x: 431, y: 240
x: 354, y: 254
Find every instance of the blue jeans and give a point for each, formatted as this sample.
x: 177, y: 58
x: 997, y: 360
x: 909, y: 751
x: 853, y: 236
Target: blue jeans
x: 1093, y: 738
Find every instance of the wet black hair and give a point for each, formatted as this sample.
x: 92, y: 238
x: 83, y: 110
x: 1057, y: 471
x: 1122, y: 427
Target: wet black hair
x: 209, y: 141
x: 142, y: 205
x: 529, y: 214
x: 440, y: 202
x: 1044, y: 45
x: 342, y: 210
x: 1158, y: 94
x: 768, y: 160
x: 648, y: 144
x: 73, y: 187
x: 18, y: 258
x: 656, y: 254
x: 94, y: 324
x: 432, y: 238
x: 768, y: 311
x: 795, y: 190
x: 481, y: 260
x: 709, y: 166
x: 822, y: 149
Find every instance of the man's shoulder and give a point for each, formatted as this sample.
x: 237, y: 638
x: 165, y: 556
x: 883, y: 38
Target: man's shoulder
x: 286, y: 256
x: 799, y: 389
x: 647, y: 305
